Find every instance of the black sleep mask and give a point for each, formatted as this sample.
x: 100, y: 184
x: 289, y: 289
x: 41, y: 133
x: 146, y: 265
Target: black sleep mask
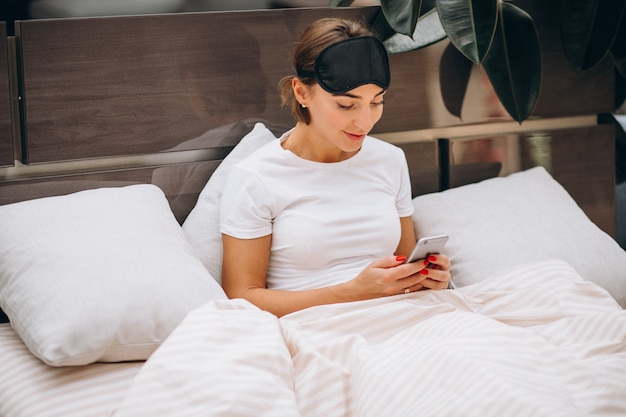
x: 351, y: 63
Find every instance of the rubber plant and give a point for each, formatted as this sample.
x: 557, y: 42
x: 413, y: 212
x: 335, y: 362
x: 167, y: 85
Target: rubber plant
x: 501, y: 37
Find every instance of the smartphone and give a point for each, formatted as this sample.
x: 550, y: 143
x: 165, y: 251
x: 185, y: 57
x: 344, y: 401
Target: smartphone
x: 426, y: 246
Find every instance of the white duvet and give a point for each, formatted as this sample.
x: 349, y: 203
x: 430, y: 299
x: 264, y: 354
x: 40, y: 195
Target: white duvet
x: 535, y: 340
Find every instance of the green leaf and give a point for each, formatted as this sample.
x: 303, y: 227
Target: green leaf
x: 588, y: 28
x: 401, y: 15
x: 427, y: 6
x: 620, y: 65
x: 454, y: 74
x: 513, y: 63
x: 470, y: 25
x: 427, y: 32
x: 340, y: 3
x: 381, y: 28
x: 618, y: 49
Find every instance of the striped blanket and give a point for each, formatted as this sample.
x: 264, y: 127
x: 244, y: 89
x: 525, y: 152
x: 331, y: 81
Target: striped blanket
x: 535, y: 340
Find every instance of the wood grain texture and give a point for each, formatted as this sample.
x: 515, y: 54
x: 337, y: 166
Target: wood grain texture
x: 6, y: 135
x: 97, y: 87
x: 130, y: 85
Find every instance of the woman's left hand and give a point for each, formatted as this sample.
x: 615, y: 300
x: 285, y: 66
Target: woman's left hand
x: 436, y: 274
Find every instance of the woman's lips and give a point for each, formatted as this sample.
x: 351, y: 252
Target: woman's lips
x: 355, y: 136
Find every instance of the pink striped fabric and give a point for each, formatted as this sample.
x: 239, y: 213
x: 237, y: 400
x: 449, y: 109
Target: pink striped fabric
x: 30, y: 388
x: 535, y: 340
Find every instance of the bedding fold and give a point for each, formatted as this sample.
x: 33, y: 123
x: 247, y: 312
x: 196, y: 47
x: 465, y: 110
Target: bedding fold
x: 534, y: 340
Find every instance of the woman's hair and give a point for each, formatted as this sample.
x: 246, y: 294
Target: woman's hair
x: 317, y: 37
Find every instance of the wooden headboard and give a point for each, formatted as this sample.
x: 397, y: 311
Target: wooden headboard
x: 105, y: 101
x: 109, y: 101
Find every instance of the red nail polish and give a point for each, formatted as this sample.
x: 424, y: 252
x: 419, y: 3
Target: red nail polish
x: 401, y: 258
x: 424, y: 272
x: 426, y: 262
x: 432, y: 258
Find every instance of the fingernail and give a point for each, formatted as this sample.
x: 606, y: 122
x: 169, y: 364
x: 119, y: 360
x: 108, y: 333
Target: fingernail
x: 424, y: 272
x: 432, y: 258
x: 401, y: 258
x: 426, y: 262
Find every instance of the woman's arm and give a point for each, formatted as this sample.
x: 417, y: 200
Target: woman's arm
x: 244, y: 276
x: 407, y: 236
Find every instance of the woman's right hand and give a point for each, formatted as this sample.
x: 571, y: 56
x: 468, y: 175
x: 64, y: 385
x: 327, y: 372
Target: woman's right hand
x: 387, y: 276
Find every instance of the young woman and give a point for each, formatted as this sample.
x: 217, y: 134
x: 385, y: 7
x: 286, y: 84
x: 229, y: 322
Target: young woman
x: 323, y: 215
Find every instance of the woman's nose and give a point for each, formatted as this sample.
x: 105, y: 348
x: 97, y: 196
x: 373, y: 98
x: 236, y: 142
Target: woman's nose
x: 365, y: 120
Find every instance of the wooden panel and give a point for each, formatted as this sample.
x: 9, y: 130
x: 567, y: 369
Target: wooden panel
x: 181, y: 184
x: 580, y: 159
x: 423, y: 168
x: 131, y: 85
x: 139, y: 84
x: 6, y: 135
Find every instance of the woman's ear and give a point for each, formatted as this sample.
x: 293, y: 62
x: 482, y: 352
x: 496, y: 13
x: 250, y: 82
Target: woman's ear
x: 300, y: 91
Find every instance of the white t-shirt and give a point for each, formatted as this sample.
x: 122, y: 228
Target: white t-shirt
x: 327, y: 220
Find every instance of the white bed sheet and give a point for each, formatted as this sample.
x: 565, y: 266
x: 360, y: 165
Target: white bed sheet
x: 30, y: 388
x: 535, y: 340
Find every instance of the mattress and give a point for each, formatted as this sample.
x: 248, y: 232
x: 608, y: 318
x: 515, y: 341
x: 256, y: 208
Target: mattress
x: 30, y: 388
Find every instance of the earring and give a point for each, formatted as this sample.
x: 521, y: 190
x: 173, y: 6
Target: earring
x: 303, y: 106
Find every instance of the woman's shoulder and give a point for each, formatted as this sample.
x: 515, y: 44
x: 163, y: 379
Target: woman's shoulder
x: 262, y: 152
x: 265, y: 161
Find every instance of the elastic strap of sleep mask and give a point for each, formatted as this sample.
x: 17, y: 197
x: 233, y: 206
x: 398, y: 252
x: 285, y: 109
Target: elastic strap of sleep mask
x: 351, y: 63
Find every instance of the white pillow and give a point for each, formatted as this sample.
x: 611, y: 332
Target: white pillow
x: 527, y: 216
x: 202, y: 224
x: 98, y: 275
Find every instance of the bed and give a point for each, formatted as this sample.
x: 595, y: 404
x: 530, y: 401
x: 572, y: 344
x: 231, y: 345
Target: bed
x: 116, y: 135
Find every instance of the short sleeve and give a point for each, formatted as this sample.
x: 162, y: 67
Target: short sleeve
x: 245, y: 207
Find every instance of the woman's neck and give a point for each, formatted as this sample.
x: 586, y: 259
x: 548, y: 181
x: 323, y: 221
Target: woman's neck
x: 304, y: 142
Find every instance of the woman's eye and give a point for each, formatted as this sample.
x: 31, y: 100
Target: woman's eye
x: 344, y: 107
x: 380, y: 103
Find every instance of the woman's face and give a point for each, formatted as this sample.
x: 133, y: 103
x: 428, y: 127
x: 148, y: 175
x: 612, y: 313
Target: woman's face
x: 343, y: 120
